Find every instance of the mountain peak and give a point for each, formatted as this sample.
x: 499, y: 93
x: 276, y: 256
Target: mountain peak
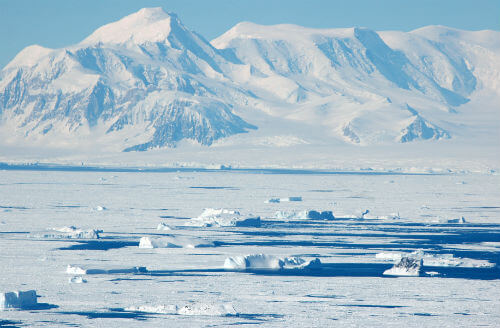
x: 145, y: 25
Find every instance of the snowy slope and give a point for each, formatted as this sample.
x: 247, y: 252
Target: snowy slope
x: 146, y: 81
x: 146, y: 73
x: 368, y: 87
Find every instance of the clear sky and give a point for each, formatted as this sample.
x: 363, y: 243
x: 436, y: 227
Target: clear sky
x: 57, y: 23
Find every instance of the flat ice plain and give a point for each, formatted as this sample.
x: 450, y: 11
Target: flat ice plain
x: 128, y: 286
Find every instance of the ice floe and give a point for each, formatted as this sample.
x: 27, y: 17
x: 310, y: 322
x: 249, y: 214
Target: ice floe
x: 268, y: 262
x: 407, y: 266
x: 208, y: 309
x: 307, y: 214
x: 18, y: 300
x: 286, y: 199
x: 221, y: 217
x: 70, y: 232
x: 174, y: 242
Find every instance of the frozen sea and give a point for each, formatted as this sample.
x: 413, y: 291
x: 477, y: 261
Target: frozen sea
x: 128, y: 286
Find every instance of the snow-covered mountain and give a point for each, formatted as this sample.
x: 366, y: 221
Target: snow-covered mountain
x: 146, y: 81
x: 146, y: 74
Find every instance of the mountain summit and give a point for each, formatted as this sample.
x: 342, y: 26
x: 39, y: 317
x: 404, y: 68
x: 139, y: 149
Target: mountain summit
x: 147, y: 81
x: 146, y: 25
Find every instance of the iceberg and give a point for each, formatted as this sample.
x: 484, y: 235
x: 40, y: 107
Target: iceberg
x: 18, y: 300
x: 268, y: 262
x: 407, y: 266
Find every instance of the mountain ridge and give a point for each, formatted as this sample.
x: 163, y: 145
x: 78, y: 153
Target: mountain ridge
x: 161, y: 83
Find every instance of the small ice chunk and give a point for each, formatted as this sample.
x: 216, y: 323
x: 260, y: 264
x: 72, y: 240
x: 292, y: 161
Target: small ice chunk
x: 324, y: 215
x: 18, y: 300
x: 163, y: 226
x: 461, y: 220
x: 174, y: 242
x: 407, y: 266
x: 100, y: 208
x: 77, y: 280
x: 75, y: 270
x: 363, y: 213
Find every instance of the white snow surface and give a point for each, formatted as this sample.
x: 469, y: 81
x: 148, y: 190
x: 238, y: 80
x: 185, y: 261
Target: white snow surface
x: 338, y: 293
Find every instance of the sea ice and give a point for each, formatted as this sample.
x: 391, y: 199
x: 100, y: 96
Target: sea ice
x: 174, y: 242
x: 18, y: 300
x: 220, y: 217
x: 407, y: 266
x: 268, y: 262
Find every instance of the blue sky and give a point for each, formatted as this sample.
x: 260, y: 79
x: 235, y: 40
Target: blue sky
x: 57, y: 23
